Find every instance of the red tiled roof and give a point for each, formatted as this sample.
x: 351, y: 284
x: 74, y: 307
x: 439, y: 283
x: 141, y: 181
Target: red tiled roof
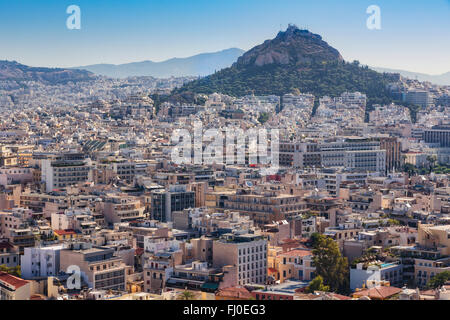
x: 235, y: 292
x: 340, y: 297
x: 380, y: 292
x: 297, y: 253
x: 12, y: 280
x: 431, y: 292
x: 64, y: 232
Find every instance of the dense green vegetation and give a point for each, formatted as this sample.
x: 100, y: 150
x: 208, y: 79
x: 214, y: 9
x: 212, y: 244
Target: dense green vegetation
x: 263, y: 117
x: 439, y: 280
x: 187, y: 295
x: 330, y: 264
x: 317, y: 284
x: 319, y: 78
x: 436, y: 168
x: 15, y: 271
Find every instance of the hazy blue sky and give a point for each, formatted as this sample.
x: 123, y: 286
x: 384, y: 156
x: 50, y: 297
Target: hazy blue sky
x: 415, y: 34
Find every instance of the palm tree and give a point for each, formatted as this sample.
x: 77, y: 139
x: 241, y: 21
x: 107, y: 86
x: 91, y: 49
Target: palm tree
x: 187, y: 295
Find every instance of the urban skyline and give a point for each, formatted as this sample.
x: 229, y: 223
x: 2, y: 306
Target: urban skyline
x: 291, y: 171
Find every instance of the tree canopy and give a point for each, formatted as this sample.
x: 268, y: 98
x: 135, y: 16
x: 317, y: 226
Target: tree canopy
x: 439, y: 280
x: 330, y: 264
x: 15, y: 271
x: 317, y: 284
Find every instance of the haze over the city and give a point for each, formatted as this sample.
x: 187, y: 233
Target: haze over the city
x: 414, y: 36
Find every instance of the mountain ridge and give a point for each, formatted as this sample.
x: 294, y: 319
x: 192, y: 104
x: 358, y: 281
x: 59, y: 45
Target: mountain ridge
x: 201, y: 64
x: 439, y: 79
x: 15, y: 71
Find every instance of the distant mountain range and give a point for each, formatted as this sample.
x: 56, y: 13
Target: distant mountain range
x: 14, y: 71
x: 294, y: 59
x: 199, y: 65
x: 294, y: 51
x: 442, y: 79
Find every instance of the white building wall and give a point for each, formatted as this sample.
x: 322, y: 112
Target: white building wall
x: 40, y: 262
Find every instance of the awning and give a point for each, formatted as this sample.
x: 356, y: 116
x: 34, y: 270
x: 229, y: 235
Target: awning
x: 210, y: 286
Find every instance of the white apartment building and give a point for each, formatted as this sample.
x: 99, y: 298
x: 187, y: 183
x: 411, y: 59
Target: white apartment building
x: 77, y: 219
x: 153, y: 245
x: 357, y: 154
x: 64, y: 170
x: 40, y: 262
x: 350, y: 153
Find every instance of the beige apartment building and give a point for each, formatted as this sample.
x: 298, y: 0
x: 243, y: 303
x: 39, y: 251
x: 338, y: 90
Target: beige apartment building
x: 265, y: 206
x: 155, y: 269
x: 425, y: 269
x: 99, y: 267
x: 435, y: 237
x: 296, y: 264
x: 431, y: 255
x: 248, y: 252
x: 118, y: 208
x: 200, y: 189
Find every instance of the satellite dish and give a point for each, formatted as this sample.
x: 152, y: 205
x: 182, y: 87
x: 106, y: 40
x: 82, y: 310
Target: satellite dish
x: 249, y: 184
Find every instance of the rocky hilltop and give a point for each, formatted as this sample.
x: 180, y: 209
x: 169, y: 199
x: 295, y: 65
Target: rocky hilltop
x: 291, y: 46
x: 294, y: 59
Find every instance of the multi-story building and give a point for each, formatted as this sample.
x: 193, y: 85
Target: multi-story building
x: 198, y: 276
x: 299, y: 154
x: 100, y: 268
x: 439, y: 135
x: 79, y: 220
x: 248, y: 252
x: 296, y: 264
x: 352, y: 153
x: 13, y: 226
x: 15, y: 175
x: 393, y: 152
x: 342, y: 232
x: 9, y: 255
x: 418, y: 97
x: 426, y: 269
x: 60, y: 171
x: 199, y: 188
x: 7, y: 157
x: 160, y: 257
x: 335, y: 178
x: 122, y: 208
x: 361, y: 276
x: 164, y: 202
x: 263, y: 206
x: 435, y: 237
x: 40, y: 262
